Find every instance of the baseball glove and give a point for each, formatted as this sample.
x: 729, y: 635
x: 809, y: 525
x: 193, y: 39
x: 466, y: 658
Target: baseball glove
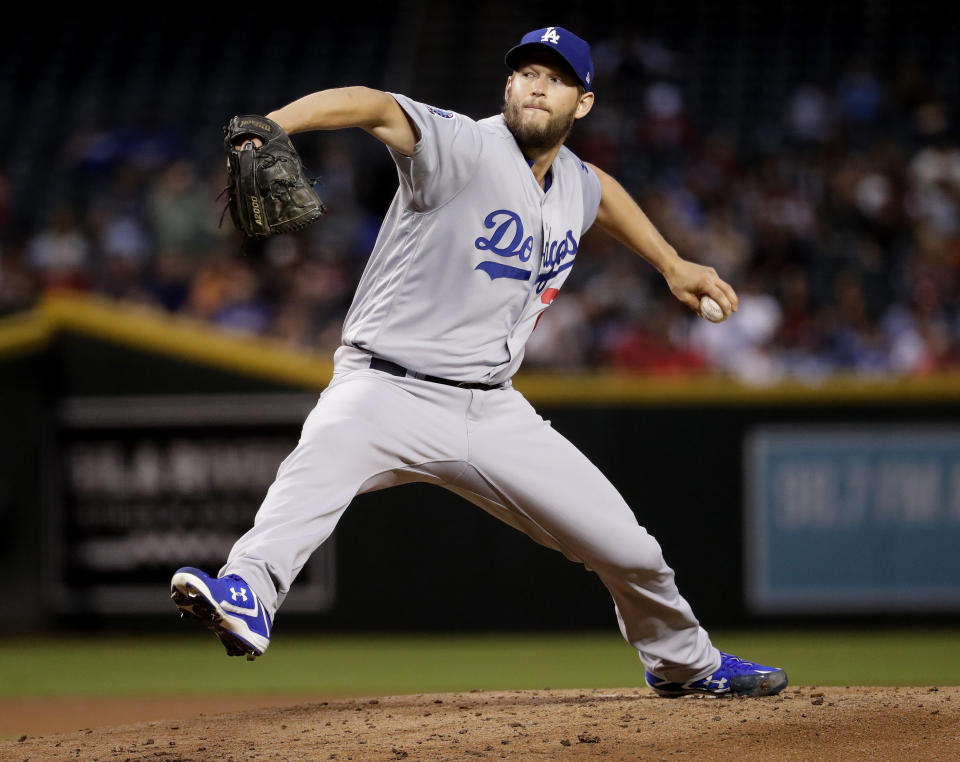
x: 267, y: 190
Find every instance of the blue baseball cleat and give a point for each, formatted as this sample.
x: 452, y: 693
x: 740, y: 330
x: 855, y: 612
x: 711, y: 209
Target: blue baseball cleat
x: 227, y: 606
x: 736, y: 677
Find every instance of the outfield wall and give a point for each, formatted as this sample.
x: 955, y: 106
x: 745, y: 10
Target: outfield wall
x: 134, y: 443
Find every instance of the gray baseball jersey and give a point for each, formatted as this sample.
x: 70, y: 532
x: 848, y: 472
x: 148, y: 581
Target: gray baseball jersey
x: 471, y: 252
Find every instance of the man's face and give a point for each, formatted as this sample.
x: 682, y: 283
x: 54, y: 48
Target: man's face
x: 541, y: 102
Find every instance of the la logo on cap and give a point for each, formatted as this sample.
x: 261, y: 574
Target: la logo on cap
x: 550, y: 36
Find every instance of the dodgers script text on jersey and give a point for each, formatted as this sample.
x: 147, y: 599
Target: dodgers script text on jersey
x: 508, y: 240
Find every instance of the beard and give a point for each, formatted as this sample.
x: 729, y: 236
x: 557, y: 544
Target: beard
x: 533, y: 137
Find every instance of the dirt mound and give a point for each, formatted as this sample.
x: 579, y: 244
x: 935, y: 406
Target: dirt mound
x: 630, y: 724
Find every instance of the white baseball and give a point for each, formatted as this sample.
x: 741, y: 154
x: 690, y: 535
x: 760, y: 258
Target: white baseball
x: 711, y: 310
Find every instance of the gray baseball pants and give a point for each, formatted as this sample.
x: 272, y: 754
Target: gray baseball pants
x: 372, y: 430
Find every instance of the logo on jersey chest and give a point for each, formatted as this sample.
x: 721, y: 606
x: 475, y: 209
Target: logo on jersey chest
x: 508, y: 240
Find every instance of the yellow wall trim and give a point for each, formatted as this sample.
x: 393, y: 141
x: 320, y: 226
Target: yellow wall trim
x: 24, y: 333
x: 148, y: 329
x: 611, y: 389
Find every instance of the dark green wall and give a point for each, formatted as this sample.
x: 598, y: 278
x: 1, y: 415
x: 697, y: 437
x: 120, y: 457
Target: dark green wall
x: 418, y: 557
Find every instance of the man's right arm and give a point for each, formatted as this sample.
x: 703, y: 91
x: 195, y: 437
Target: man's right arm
x: 374, y: 111
x: 621, y: 217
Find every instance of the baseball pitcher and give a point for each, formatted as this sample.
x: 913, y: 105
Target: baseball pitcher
x: 483, y: 231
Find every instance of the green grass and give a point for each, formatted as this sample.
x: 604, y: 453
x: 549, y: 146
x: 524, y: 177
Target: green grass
x: 394, y: 664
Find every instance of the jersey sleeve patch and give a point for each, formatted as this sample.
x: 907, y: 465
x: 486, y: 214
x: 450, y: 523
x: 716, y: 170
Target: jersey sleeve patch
x: 440, y: 112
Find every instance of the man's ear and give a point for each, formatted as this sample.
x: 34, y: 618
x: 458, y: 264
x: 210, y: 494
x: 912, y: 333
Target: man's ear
x: 584, y: 106
x: 506, y: 89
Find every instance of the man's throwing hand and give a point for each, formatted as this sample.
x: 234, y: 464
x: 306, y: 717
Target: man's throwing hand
x: 689, y: 281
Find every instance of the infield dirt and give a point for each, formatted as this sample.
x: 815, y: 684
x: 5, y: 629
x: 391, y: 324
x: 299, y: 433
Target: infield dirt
x: 806, y: 723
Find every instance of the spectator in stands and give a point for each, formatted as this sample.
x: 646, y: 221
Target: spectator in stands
x: 744, y: 348
x: 19, y: 284
x: 179, y: 210
x: 60, y: 253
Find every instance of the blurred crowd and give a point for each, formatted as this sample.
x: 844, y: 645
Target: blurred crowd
x: 837, y: 222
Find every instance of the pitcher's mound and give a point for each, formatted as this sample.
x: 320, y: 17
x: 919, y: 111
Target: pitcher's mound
x: 799, y: 724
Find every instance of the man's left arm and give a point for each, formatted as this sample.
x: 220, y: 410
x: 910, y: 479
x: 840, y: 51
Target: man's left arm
x: 621, y: 217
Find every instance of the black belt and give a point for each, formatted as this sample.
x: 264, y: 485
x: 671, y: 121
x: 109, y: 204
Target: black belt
x: 378, y: 363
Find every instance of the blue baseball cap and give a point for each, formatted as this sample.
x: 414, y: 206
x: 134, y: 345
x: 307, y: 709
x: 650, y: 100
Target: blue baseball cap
x: 567, y: 45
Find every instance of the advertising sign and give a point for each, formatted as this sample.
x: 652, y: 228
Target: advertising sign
x: 150, y: 484
x: 862, y: 518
